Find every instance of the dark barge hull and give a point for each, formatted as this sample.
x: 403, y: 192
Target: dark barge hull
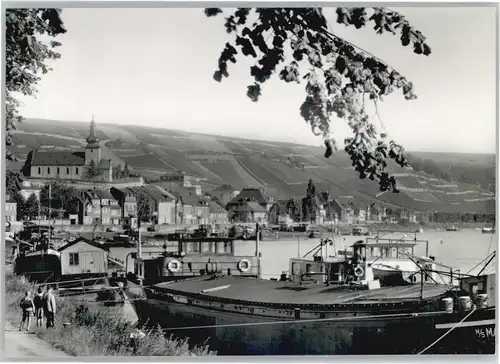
x: 38, y: 268
x: 361, y: 329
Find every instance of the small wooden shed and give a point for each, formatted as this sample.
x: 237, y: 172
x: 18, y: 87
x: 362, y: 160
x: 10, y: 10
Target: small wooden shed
x: 83, y: 257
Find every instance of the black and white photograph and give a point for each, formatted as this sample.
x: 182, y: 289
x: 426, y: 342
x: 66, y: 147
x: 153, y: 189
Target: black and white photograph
x: 185, y: 181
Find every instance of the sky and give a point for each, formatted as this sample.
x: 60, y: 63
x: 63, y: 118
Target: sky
x: 154, y: 67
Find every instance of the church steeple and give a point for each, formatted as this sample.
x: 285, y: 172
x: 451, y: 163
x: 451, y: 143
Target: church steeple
x: 92, y: 149
x: 92, y: 141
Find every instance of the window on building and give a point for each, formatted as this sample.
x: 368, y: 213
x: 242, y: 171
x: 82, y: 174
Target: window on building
x: 39, y: 170
x: 74, y: 259
x: 48, y: 170
x: 76, y: 170
x: 58, y: 170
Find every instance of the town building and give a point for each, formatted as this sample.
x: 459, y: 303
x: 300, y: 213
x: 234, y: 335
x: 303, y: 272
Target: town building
x: 249, y: 211
x: 110, y: 209
x: 83, y: 257
x: 224, y: 194
x: 279, y: 212
x: 128, y: 204
x: 218, y: 214
x: 160, y: 202
x: 176, y: 180
x: 27, y: 188
x: 249, y: 205
x: 376, y: 212
x: 348, y: 209
x: 10, y: 209
x: 191, y: 208
x: 70, y: 165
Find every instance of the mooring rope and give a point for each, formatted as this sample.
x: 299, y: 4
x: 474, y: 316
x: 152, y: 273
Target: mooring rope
x: 281, y: 322
x: 447, y: 332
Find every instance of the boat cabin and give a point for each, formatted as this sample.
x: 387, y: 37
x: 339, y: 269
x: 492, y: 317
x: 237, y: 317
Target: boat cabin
x: 196, y: 257
x: 333, y: 270
x: 373, y: 248
x: 375, y: 259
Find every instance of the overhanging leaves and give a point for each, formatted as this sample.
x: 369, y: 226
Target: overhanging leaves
x: 339, y: 74
x: 26, y: 56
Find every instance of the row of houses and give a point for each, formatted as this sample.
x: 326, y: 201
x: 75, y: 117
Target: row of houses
x: 182, y: 202
x: 124, y: 205
x: 251, y: 205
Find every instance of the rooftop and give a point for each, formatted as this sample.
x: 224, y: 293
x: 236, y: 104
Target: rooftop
x: 250, y: 207
x: 77, y: 240
x: 249, y: 194
x: 57, y: 158
x: 103, y: 194
x: 215, y: 207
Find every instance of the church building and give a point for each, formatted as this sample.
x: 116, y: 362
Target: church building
x: 70, y: 165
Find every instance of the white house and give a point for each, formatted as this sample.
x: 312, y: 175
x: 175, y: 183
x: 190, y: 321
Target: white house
x: 83, y: 257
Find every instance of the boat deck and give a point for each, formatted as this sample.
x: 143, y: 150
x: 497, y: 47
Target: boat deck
x: 267, y: 291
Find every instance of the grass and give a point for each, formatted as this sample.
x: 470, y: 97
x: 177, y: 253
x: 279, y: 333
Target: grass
x: 93, y: 333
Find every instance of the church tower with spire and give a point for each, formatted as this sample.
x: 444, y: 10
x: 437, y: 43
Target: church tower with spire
x: 92, y: 149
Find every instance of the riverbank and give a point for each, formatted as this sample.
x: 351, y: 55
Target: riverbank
x: 84, y: 330
x: 427, y: 226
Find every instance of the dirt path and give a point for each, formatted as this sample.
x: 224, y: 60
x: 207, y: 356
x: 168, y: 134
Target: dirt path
x: 20, y: 344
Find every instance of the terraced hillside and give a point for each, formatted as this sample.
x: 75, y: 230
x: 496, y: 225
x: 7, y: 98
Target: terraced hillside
x: 284, y: 168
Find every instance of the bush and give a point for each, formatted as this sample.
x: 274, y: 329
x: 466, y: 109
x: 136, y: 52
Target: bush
x: 86, y: 331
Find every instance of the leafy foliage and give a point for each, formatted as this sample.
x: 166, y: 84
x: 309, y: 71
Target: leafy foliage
x: 61, y: 197
x: 91, y: 170
x: 117, y: 172
x: 11, y: 183
x: 126, y: 171
x: 339, y: 76
x: 12, y: 180
x: 95, y: 332
x: 309, y: 205
x: 26, y: 56
x: 30, y: 207
x: 294, y: 209
x: 144, y: 213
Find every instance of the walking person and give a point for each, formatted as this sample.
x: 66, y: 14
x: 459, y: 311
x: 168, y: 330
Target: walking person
x: 28, y: 307
x: 39, y: 303
x: 49, y: 307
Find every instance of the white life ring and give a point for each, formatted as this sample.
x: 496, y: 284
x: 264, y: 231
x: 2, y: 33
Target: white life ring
x: 244, y: 265
x: 173, y: 266
x: 358, y: 271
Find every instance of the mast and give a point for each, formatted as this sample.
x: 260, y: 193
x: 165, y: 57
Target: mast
x: 257, y: 243
x: 50, y: 210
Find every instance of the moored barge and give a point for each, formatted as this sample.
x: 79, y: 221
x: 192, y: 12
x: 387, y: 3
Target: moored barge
x: 243, y: 316
x: 336, y: 307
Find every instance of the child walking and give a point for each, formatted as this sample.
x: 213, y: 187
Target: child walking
x: 28, y: 307
x: 39, y: 303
